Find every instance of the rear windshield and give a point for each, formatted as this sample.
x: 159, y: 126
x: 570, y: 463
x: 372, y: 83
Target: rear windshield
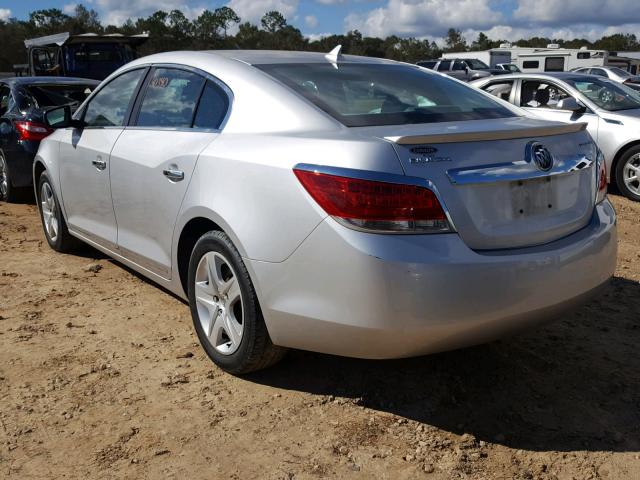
x: 361, y: 95
x: 41, y: 96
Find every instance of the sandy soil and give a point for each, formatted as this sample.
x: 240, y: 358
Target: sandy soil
x: 101, y: 377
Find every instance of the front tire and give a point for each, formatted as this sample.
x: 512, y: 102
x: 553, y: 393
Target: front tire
x: 53, y: 224
x: 627, y: 174
x: 225, y: 309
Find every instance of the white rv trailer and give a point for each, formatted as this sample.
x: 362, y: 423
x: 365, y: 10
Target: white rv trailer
x: 552, y: 58
x: 490, y: 57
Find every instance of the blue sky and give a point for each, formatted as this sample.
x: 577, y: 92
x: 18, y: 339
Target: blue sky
x: 500, y: 19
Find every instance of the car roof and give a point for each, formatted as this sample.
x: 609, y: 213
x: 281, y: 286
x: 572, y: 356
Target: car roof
x: 26, y: 81
x: 259, y: 57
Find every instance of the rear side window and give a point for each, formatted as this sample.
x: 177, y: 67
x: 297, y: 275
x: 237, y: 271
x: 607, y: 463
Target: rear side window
x: 360, y: 95
x: 500, y: 89
x: 109, y: 106
x: 444, y: 66
x: 170, y: 99
x: 5, y: 97
x: 427, y: 64
x: 212, y: 107
x: 458, y: 65
x: 55, y: 95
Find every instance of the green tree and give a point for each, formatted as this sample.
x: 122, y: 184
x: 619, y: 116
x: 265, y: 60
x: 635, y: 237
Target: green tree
x: 273, y: 21
x: 454, y: 41
x: 225, y: 18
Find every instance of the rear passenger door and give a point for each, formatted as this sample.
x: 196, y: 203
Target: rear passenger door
x: 459, y: 70
x: 178, y: 113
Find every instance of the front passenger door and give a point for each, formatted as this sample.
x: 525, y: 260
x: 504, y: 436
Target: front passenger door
x: 541, y: 98
x: 179, y: 114
x: 84, y: 159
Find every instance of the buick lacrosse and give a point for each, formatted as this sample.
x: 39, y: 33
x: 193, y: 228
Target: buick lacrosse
x: 340, y: 204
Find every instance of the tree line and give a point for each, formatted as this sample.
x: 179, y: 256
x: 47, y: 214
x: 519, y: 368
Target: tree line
x: 212, y: 30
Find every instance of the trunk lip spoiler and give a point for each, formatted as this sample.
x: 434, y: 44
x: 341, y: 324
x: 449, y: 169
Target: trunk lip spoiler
x: 475, y: 136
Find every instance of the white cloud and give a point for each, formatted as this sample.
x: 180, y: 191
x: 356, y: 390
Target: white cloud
x: 69, y: 8
x: 571, y: 12
x: 253, y: 10
x: 317, y: 36
x: 422, y: 17
x: 116, y: 12
x: 311, y: 21
x: 5, y: 14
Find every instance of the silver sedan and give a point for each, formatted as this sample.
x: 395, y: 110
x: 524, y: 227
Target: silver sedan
x: 611, y: 111
x: 339, y: 204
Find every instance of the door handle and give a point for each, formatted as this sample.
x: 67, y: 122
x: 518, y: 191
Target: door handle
x: 99, y: 163
x: 173, y: 174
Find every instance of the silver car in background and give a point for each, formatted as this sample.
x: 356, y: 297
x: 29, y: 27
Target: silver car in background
x: 611, y: 111
x: 612, y: 73
x: 339, y: 204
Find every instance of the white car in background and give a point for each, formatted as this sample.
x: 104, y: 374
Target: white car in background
x: 611, y: 111
x: 613, y: 73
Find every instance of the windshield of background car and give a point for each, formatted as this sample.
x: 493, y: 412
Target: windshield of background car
x: 41, y: 96
x: 475, y: 64
x: 606, y: 94
x: 359, y: 95
x: 620, y: 72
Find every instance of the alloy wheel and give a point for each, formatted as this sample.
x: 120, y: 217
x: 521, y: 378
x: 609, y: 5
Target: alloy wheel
x: 219, y: 302
x: 49, y: 211
x: 4, y: 180
x: 631, y: 174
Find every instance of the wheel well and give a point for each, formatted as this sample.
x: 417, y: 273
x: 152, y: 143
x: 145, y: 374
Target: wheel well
x: 38, y: 168
x: 190, y: 234
x: 618, y: 156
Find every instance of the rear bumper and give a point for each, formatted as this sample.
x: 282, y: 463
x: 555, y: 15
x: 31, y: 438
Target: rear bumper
x: 387, y: 296
x: 20, y: 162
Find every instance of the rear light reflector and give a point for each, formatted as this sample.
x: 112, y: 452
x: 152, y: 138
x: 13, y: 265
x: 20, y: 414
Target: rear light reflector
x: 32, y: 131
x: 376, y: 205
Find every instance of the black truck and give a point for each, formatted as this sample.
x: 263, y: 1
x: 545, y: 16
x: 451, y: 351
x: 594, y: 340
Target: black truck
x: 87, y: 55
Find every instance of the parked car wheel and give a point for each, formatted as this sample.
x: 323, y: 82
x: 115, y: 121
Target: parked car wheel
x: 7, y: 192
x: 55, y: 228
x: 225, y: 309
x: 628, y: 174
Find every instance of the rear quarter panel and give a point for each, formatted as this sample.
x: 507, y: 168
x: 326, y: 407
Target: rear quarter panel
x: 246, y: 184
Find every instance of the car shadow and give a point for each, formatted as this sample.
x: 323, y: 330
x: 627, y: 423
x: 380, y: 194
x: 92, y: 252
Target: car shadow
x: 571, y: 385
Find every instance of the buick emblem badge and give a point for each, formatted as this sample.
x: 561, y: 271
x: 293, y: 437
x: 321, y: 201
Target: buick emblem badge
x: 539, y: 155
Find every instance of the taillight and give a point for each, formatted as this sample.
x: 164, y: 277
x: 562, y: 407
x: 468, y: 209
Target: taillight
x: 376, y: 205
x: 601, y: 194
x: 32, y: 131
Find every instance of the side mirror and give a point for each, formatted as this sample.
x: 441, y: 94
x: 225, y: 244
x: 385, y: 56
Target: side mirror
x: 60, y: 117
x: 571, y: 104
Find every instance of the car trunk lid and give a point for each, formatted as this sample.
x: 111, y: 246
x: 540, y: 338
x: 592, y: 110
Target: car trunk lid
x: 497, y: 195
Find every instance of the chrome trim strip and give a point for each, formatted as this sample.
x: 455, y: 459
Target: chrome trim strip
x: 455, y: 137
x: 150, y: 265
x: 516, y: 171
x: 381, y: 177
x: 81, y: 232
x: 145, y: 262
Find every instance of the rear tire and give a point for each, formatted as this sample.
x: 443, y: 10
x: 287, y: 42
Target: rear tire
x: 627, y: 168
x: 8, y: 192
x: 53, y: 223
x: 225, y: 309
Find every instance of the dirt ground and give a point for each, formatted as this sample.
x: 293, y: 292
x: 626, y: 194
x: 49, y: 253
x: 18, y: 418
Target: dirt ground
x: 101, y: 377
